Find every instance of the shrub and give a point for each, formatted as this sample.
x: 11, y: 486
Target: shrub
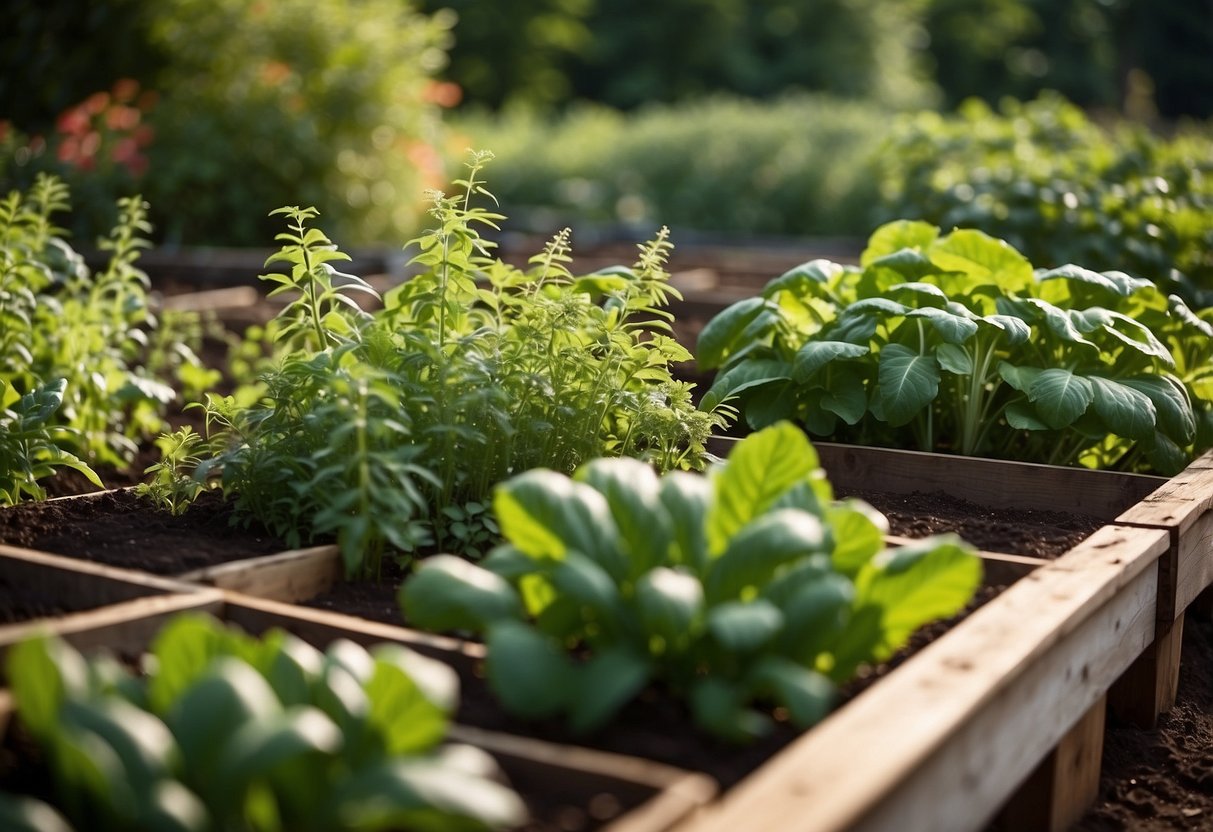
x: 1061, y: 189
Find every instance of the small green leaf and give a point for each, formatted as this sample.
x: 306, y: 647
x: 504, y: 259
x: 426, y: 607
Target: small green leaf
x: 606, y: 683
x: 807, y: 694
x: 44, y: 672
x: 909, y: 381
x: 631, y: 489
x: 955, y: 359
x: 744, y: 627
x: 761, y: 547
x: 669, y: 603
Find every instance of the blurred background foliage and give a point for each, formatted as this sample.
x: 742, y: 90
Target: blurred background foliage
x: 743, y: 117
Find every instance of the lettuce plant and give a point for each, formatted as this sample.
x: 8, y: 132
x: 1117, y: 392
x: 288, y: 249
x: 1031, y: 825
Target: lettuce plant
x: 954, y: 343
x: 747, y: 584
x: 229, y: 732
x: 390, y: 429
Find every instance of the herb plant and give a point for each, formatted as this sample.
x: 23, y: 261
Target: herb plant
x: 748, y: 584
x: 953, y: 343
x: 390, y: 429
x: 234, y: 733
x: 80, y: 337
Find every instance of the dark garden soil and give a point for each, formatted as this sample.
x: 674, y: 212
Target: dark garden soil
x: 120, y: 529
x: 1040, y: 534
x: 1162, y: 780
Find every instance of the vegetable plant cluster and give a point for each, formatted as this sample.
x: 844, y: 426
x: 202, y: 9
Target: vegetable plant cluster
x: 390, y: 429
x: 227, y: 732
x: 1061, y: 188
x: 954, y: 343
x: 748, y: 584
x: 85, y: 366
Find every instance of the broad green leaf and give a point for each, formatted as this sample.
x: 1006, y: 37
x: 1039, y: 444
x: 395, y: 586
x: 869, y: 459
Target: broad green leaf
x: 631, y: 490
x: 719, y: 336
x: 436, y: 680
x: 294, y: 670
x: 954, y: 329
x: 909, y: 382
x: 1165, y: 456
x: 584, y: 582
x: 43, y: 673
x: 759, y: 470
x: 923, y: 293
x: 423, y: 797
x: 846, y: 397
x: 907, y: 265
x: 1059, y: 322
x: 895, y: 236
x: 748, y: 374
x: 1060, y: 396
x: 408, y: 720
x: 817, y: 354
x: 142, y: 742
x: 743, y: 627
x: 815, y: 615
x: 449, y: 593
x: 605, y: 683
x: 1020, y: 378
x: 185, y: 650
x: 766, y: 405
x: 983, y: 258
x: 1015, y: 331
x: 530, y: 673
x: 255, y: 749
x: 545, y: 514
x: 1126, y: 411
x: 911, y: 585
x: 171, y: 807
x: 802, y: 278
x: 1137, y: 336
x: 955, y: 359
x: 669, y: 603
x: 761, y: 547
x: 1022, y: 416
x: 687, y: 498
x: 807, y: 694
x: 1175, y: 415
x: 858, y: 532
x: 875, y: 307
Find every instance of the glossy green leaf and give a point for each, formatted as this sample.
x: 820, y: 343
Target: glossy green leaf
x: 584, y: 582
x: 983, y: 258
x: 718, y: 337
x: 858, y: 532
x: 43, y: 672
x: 955, y: 359
x: 669, y: 603
x: 255, y: 749
x: 530, y: 674
x: 815, y: 355
x: 759, y: 470
x: 448, y: 593
x: 409, y: 721
x: 26, y: 814
x: 909, y: 381
x: 757, y: 550
x: 142, y: 742
x: 807, y: 694
x: 605, y: 683
x: 719, y: 706
x: 815, y: 615
x: 745, y: 376
x: 800, y: 279
x: 687, y: 499
x: 437, y: 680
x: 1060, y: 396
x: 954, y: 329
x: 895, y: 236
x: 743, y: 627
x: 923, y: 581
x: 1175, y: 416
x: 847, y: 398
x: 1126, y: 411
x: 631, y: 489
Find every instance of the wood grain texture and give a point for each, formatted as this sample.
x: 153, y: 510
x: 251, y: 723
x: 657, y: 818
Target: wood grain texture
x: 295, y: 575
x: 1148, y: 688
x: 944, y: 741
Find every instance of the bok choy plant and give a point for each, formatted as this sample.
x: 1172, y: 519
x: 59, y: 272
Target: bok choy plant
x: 748, y: 584
x: 954, y: 343
x: 226, y: 732
x: 390, y: 429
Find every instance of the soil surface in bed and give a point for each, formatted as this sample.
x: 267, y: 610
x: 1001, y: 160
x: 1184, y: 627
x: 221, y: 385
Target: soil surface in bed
x: 121, y: 529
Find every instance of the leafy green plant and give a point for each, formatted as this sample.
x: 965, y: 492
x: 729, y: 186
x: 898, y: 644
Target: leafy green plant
x: 173, y: 486
x: 390, y: 429
x: 954, y: 343
x: 1061, y: 188
x: 748, y: 584
x: 30, y: 447
x: 228, y: 732
x: 88, y: 340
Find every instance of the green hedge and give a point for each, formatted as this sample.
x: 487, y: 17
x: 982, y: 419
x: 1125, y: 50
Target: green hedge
x: 797, y: 166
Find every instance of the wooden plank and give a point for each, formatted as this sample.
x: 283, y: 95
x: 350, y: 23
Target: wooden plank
x: 212, y: 300
x: 124, y: 628
x: 944, y: 741
x: 1065, y: 784
x: 73, y: 583
x: 664, y: 795
x: 322, y: 626
x: 296, y: 575
x: 1148, y: 688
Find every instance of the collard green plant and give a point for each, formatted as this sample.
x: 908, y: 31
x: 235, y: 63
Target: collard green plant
x: 748, y: 584
x: 390, y: 429
x: 229, y: 732
x: 954, y: 343
x: 79, y: 337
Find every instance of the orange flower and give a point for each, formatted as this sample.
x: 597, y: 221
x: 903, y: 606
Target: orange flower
x: 73, y: 121
x: 96, y: 103
x: 121, y: 118
x: 125, y: 90
x: 443, y: 93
